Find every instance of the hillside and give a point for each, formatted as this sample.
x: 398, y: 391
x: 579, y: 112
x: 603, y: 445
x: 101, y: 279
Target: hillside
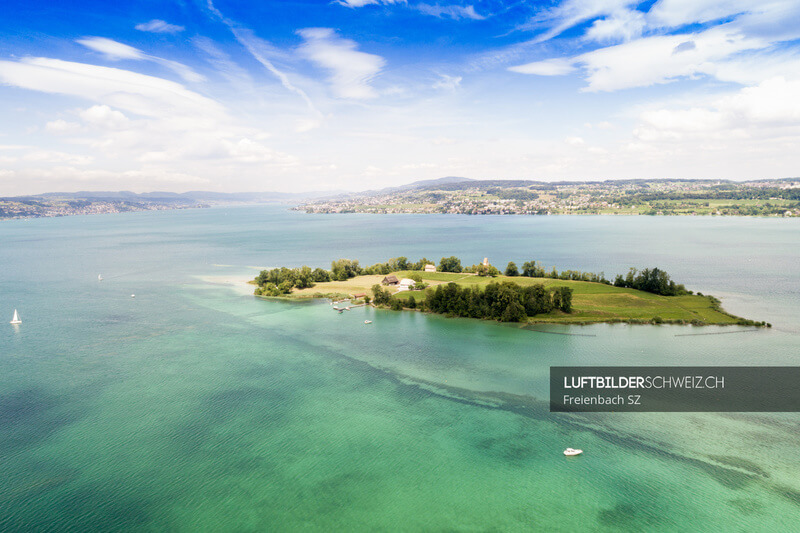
x: 622, y: 197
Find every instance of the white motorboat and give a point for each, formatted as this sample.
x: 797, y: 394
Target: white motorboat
x: 570, y: 452
x: 16, y: 319
x: 368, y: 322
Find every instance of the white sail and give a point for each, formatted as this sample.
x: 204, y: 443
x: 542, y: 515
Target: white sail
x: 16, y: 319
x: 99, y: 277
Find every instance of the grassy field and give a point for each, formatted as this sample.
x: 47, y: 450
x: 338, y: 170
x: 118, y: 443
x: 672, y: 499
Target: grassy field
x: 591, y: 302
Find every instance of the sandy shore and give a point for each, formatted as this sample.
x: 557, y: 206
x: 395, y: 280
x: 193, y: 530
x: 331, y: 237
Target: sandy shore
x: 239, y: 282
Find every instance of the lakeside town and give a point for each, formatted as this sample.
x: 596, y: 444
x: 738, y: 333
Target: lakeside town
x: 16, y: 208
x: 776, y: 198
x: 624, y: 197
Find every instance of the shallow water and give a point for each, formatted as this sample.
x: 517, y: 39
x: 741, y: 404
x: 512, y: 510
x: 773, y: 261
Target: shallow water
x: 195, y: 406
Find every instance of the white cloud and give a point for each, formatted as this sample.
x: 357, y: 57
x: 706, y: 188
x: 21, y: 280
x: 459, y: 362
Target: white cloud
x: 102, y: 116
x: 223, y: 63
x: 56, y: 157
x: 61, y: 126
x: 727, y: 51
x: 115, y: 51
x: 575, y: 141
x: 362, y: 3
x: 672, y: 13
x: 754, y: 67
x: 768, y: 109
x: 452, y: 11
x: 652, y: 60
x: 350, y: 70
x: 159, y: 26
x: 123, y: 89
x: 571, y: 13
x: 548, y: 67
x: 262, y: 51
x: 449, y: 83
x: 147, y: 130
x: 622, y: 25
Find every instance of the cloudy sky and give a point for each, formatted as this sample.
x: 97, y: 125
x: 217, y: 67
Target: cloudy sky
x: 352, y: 94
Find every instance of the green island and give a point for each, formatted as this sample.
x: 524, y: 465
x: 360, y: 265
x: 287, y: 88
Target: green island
x: 527, y: 294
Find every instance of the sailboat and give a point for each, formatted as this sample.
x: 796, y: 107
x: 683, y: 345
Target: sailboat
x: 99, y: 277
x: 16, y: 319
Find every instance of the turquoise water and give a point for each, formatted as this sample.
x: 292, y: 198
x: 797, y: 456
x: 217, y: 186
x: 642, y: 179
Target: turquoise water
x: 194, y: 406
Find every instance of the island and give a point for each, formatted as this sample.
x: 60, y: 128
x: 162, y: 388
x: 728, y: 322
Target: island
x: 528, y: 293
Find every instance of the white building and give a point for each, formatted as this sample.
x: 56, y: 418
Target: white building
x: 430, y: 268
x: 406, y: 284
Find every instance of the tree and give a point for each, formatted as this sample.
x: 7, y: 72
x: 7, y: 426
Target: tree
x: 536, y: 300
x: 285, y: 287
x: 532, y: 270
x: 398, y: 263
x: 513, y: 313
x: 304, y: 278
x: 449, y: 264
x: 565, y: 299
x: 344, y: 269
x: 379, y: 295
x: 511, y: 269
x: 556, y: 298
x: 320, y: 275
x: 420, y: 265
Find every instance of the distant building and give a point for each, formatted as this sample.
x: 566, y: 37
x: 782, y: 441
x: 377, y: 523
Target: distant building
x: 390, y: 280
x: 406, y: 284
x: 430, y: 268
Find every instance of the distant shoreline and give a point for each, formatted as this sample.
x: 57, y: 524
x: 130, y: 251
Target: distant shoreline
x: 768, y: 198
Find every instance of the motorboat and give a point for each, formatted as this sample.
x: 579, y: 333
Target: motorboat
x: 570, y: 452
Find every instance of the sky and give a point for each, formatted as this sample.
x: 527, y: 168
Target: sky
x: 305, y: 95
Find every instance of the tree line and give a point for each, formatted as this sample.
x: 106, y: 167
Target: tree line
x: 505, y: 301
x: 652, y: 280
x: 279, y: 281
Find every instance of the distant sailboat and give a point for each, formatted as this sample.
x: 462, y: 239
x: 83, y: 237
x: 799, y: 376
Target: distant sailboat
x: 99, y: 277
x: 16, y: 319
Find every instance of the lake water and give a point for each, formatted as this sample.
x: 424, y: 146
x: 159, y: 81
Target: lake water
x: 195, y: 406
